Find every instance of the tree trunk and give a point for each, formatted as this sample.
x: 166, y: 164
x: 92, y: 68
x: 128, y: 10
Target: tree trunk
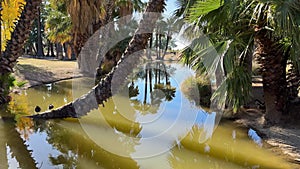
x: 103, y: 50
x: 14, y: 47
x: 48, y: 48
x: 156, y: 45
x: 67, y: 54
x: 80, y: 39
x: 52, y: 50
x: 150, y: 47
x: 59, y: 51
x: 118, y: 76
x: 30, y: 50
x: 146, y: 85
x: 40, y: 48
x: 273, y: 62
x: 160, y: 47
x: 167, y: 44
x: 150, y: 79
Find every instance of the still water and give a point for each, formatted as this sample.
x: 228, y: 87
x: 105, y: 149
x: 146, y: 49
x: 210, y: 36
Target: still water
x: 147, y: 124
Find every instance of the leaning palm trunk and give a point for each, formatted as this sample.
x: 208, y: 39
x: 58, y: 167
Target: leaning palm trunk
x: 273, y: 62
x: 103, y: 90
x: 14, y: 47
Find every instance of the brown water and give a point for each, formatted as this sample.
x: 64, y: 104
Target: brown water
x: 157, y: 127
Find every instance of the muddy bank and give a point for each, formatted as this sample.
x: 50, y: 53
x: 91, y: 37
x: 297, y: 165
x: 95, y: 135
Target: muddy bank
x: 282, y: 139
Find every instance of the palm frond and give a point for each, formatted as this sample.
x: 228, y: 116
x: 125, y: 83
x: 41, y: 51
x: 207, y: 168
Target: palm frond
x: 203, y: 7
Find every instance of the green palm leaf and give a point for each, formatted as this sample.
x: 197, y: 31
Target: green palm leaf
x: 203, y: 7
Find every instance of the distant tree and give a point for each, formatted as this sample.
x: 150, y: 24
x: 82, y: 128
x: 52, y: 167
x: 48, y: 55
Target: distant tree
x: 58, y: 27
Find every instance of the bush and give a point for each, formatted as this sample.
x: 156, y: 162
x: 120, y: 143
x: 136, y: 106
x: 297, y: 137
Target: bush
x: 197, y: 89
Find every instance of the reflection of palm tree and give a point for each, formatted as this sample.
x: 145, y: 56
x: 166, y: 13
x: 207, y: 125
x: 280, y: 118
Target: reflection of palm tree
x: 146, y: 84
x: 12, y: 139
x: 133, y: 91
x: 75, y: 153
x: 158, y: 92
x: 169, y: 91
x: 166, y: 88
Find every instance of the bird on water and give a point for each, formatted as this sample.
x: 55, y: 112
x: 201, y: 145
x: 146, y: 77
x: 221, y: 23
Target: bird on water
x: 51, y: 106
x: 37, y: 109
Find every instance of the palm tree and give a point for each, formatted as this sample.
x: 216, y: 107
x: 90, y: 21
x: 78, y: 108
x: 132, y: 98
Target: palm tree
x: 58, y: 26
x: 87, y: 17
x: 274, y: 47
x: 14, y: 47
x: 271, y: 28
x: 117, y: 77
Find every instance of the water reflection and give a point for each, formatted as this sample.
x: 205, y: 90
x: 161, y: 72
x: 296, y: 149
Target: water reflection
x: 165, y: 128
x: 14, y: 152
x: 158, y: 117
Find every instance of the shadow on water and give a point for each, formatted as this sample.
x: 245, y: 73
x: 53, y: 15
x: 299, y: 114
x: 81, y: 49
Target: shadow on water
x: 117, y: 135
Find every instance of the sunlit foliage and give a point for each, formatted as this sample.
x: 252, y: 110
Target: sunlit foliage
x: 11, y: 12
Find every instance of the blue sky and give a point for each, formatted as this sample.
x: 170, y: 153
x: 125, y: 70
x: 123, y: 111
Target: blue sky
x: 171, y: 6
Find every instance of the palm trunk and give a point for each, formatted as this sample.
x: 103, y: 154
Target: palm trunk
x: 59, y: 51
x: 103, y: 50
x: 48, y: 48
x: 156, y: 45
x: 160, y: 47
x: 52, y: 50
x: 80, y: 39
x: 14, y: 47
x: 67, y: 52
x: 150, y: 79
x: 293, y: 82
x: 146, y: 85
x: 149, y: 54
x: 40, y: 48
x: 273, y: 61
x: 167, y: 44
x: 117, y: 77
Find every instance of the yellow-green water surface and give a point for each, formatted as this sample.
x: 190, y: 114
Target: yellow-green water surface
x: 155, y: 127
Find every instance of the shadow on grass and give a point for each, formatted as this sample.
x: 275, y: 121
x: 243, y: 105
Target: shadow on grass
x: 33, y: 73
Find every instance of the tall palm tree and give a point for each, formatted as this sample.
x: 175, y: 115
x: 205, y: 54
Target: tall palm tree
x: 117, y: 77
x: 277, y: 40
x: 88, y: 16
x: 14, y: 47
x: 271, y: 27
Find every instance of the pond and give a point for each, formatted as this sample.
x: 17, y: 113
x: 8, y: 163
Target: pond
x: 149, y: 123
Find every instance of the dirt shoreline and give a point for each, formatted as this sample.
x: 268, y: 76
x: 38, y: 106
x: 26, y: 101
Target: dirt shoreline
x: 42, y: 71
x: 283, y: 139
